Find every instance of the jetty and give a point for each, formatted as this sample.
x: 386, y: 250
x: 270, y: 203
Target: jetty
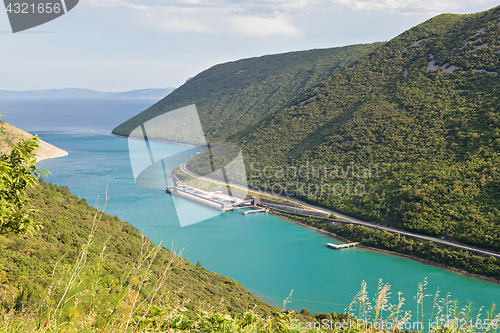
x: 342, y: 246
x: 249, y: 209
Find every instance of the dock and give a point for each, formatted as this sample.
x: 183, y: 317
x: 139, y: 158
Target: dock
x: 250, y: 209
x: 342, y: 246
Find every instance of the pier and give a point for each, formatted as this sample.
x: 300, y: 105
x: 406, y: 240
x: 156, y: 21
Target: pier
x: 249, y: 209
x: 342, y: 246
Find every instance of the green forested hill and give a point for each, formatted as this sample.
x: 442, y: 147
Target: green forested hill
x: 423, y: 110
x: 29, y: 265
x: 232, y: 96
x: 420, y: 112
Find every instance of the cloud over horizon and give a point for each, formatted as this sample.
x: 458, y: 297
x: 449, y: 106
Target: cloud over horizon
x: 272, y: 6
x: 117, y: 45
x: 405, y: 7
x: 260, y: 17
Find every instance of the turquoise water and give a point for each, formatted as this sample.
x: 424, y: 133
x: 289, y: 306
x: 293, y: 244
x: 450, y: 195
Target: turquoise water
x: 267, y: 255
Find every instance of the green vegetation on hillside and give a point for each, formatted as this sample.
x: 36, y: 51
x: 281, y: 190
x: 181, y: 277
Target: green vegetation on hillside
x: 233, y: 96
x: 423, y: 144
x: 28, y: 262
x: 18, y: 172
x: 408, y: 136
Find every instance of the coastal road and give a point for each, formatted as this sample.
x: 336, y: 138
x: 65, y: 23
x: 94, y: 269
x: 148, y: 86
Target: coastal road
x: 355, y: 220
x: 258, y: 191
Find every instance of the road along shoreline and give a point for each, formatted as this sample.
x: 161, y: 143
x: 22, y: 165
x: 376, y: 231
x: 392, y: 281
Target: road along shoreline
x: 461, y: 271
x: 352, y: 220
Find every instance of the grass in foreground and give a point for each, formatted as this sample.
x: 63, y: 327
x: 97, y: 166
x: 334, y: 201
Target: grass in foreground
x: 79, y: 299
x: 153, y: 292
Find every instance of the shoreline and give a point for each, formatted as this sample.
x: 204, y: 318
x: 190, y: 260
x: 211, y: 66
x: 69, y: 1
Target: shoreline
x: 154, y: 140
x: 38, y: 160
x: 481, y: 277
x: 46, y: 151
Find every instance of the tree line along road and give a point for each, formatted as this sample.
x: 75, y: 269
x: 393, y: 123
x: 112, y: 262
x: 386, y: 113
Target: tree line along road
x: 349, y: 219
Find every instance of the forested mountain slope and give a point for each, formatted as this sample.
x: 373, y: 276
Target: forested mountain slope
x: 30, y: 264
x: 422, y: 111
x: 232, y: 96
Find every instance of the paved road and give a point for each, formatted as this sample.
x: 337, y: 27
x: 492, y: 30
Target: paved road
x: 254, y: 190
x: 355, y: 220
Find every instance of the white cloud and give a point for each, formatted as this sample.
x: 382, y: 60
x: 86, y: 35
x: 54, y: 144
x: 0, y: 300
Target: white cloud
x: 274, y: 5
x: 144, y: 4
x: 179, y: 25
x: 410, y: 6
x: 264, y: 26
x: 257, y: 18
x: 260, y: 17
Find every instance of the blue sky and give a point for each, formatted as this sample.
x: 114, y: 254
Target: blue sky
x: 118, y: 45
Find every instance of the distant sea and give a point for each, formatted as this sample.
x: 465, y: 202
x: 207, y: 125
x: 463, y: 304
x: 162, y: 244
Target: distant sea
x: 267, y: 255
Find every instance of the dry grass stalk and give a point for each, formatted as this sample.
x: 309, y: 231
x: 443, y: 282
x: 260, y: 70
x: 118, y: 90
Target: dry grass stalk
x: 147, y: 259
x: 82, y: 258
x: 172, y: 259
x: 287, y: 300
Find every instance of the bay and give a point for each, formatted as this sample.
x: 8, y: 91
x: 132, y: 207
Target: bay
x: 267, y: 255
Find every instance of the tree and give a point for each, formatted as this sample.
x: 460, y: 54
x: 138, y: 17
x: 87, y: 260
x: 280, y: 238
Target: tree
x: 18, y: 172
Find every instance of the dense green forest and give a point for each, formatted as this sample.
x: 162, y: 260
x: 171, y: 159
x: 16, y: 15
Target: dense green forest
x: 407, y: 136
x: 423, y: 142
x: 232, y: 96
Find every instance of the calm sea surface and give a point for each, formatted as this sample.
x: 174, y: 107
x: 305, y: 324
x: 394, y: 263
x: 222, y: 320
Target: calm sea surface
x: 267, y: 255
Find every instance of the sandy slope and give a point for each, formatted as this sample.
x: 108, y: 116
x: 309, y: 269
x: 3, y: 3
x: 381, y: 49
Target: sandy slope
x: 13, y: 134
x: 47, y: 151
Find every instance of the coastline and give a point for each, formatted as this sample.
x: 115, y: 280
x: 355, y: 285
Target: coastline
x: 481, y: 277
x: 12, y: 134
x: 155, y: 140
x: 48, y: 151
